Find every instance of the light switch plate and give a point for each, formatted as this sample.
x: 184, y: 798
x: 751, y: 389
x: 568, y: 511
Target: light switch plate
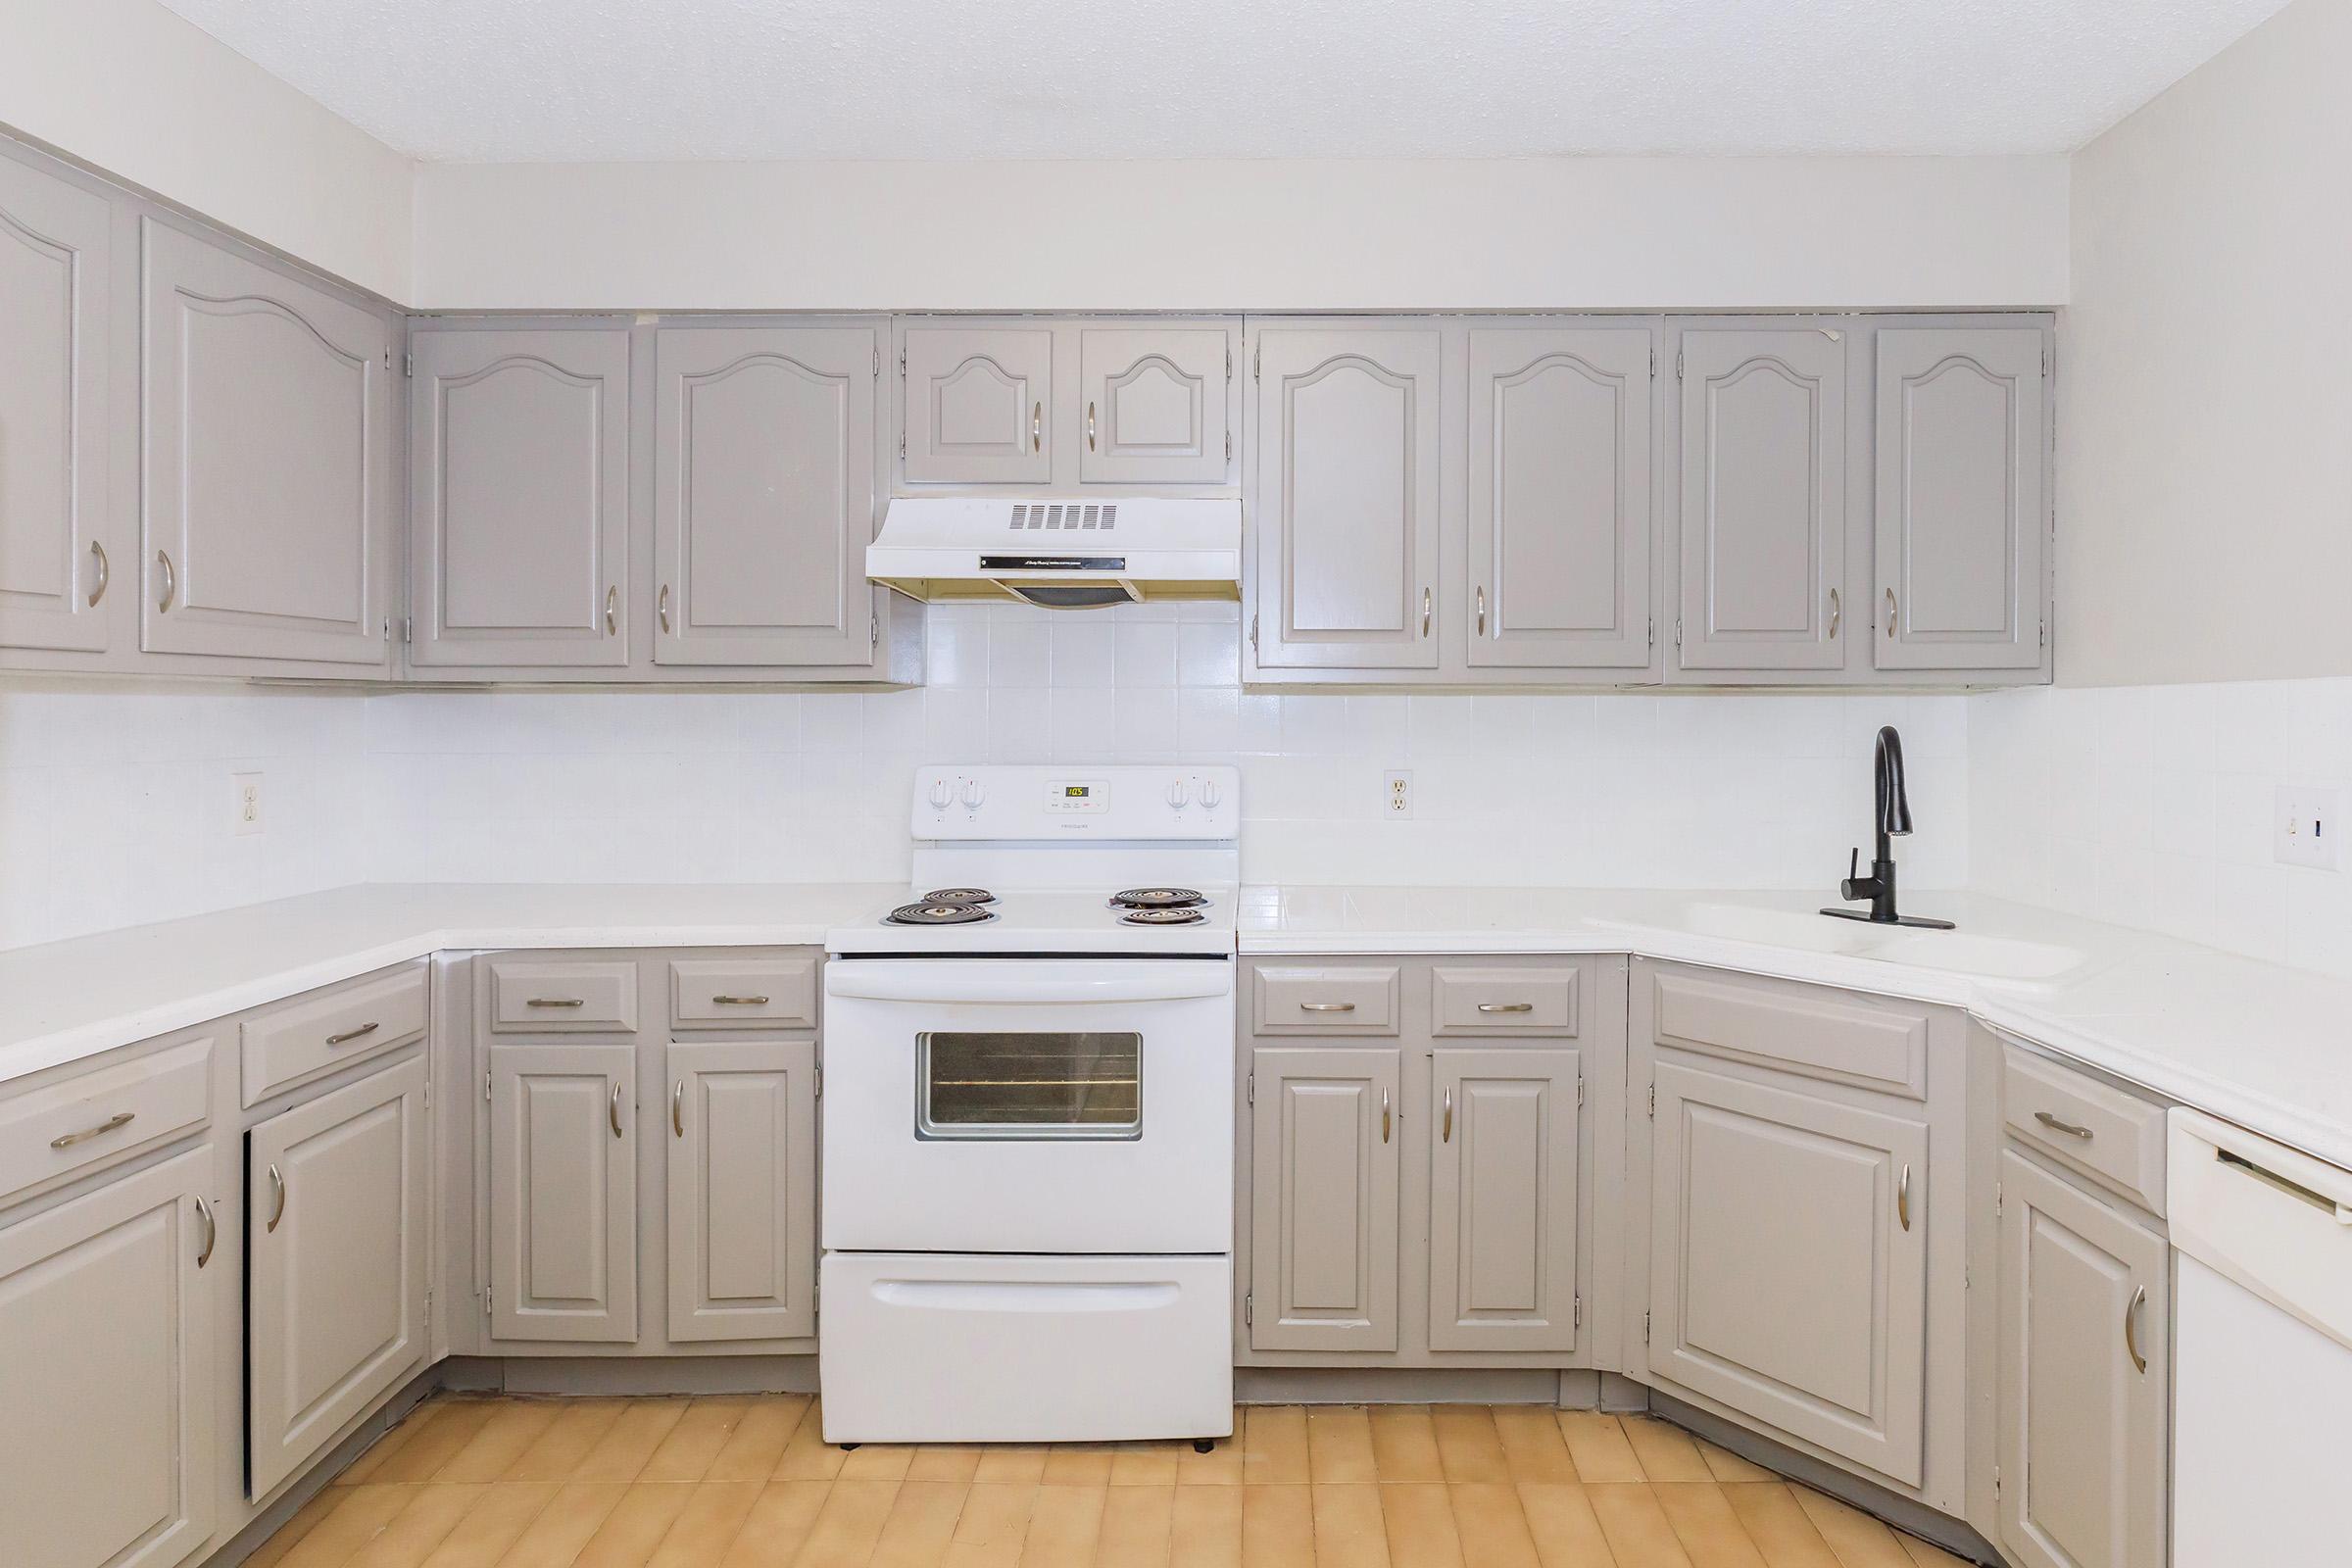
x: 2306, y: 827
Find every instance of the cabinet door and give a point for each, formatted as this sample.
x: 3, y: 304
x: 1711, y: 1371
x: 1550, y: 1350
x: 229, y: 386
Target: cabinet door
x: 564, y: 1192
x: 1347, y: 461
x: 2082, y: 1422
x: 336, y: 1236
x: 1763, y: 510
x: 763, y: 466
x: 1788, y: 1263
x: 1323, y: 1195
x: 1559, y: 498
x: 743, y: 1190
x: 1502, y: 1200
x: 519, y: 498
x: 1155, y: 404
x: 1962, y: 433
x: 977, y: 404
x: 267, y: 448
x: 56, y: 540
x: 107, y: 1361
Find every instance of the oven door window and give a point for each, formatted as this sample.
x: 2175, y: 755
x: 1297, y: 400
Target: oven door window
x: 1018, y: 1084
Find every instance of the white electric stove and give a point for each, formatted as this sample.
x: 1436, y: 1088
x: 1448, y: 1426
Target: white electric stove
x: 1028, y: 1116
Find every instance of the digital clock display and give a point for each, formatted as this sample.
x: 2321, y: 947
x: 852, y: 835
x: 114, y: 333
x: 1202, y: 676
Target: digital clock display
x: 1077, y: 792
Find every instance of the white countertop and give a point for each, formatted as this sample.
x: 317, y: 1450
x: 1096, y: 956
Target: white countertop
x: 2261, y: 1044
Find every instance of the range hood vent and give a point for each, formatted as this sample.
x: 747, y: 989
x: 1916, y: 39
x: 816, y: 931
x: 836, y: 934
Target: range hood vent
x: 1061, y: 554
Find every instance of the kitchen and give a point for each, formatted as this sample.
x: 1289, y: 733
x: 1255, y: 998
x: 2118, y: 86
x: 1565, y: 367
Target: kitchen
x: 741, y: 828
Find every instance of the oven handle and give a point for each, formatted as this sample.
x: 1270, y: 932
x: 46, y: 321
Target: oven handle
x: 1027, y: 1295
x: 866, y: 982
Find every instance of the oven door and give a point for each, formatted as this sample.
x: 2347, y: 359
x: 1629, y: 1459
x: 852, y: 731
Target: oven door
x: 1028, y: 1105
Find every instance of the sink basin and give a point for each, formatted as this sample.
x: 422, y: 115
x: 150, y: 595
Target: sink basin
x: 1953, y: 952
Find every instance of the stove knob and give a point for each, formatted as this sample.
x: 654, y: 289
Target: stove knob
x: 971, y: 793
x: 1209, y: 793
x: 1176, y: 795
x: 942, y: 793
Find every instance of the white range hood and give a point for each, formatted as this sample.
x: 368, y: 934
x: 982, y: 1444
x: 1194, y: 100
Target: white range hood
x: 1060, y: 553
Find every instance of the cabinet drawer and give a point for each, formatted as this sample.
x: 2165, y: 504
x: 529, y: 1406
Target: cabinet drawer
x: 2085, y: 1125
x: 1833, y: 1036
x: 72, y: 1128
x: 311, y: 1038
x: 1465, y: 1001
x: 1327, y: 1000
x: 562, y: 996
x: 731, y: 992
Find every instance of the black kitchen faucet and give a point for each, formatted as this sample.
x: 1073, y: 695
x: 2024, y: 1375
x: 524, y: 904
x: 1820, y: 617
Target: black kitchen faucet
x: 1894, y: 818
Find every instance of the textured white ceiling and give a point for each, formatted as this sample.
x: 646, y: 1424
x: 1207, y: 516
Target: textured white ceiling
x: 557, y: 81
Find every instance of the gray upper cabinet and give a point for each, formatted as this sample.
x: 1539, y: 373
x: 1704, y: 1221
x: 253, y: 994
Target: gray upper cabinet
x: 764, y: 468
x: 267, y: 448
x: 1963, y: 509
x: 1346, y: 513
x: 519, y: 498
x: 1502, y: 1207
x: 1560, y: 538
x: 1324, y: 1166
x: 57, y: 546
x: 1156, y: 410
x: 742, y: 1190
x: 1763, y: 479
x: 564, y: 1192
x: 979, y: 404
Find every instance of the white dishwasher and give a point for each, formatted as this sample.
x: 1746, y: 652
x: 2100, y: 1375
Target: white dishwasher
x: 2262, y: 1382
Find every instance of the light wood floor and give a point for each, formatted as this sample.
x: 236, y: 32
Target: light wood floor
x: 748, y: 1483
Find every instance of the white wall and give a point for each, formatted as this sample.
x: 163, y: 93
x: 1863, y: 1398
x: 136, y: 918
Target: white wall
x: 2204, y: 469
x: 131, y: 88
x: 1638, y: 233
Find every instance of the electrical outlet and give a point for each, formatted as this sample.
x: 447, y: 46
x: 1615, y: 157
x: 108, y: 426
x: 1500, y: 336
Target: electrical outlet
x: 2304, y: 827
x: 1396, y: 795
x: 248, y: 802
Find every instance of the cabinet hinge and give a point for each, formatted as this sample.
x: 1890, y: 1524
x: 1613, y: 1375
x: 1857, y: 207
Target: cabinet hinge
x: 1654, y: 358
x: 2046, y: 357
x: 1996, y: 1479
x: 1249, y: 1091
x: 1229, y: 446
x: 1653, y: 1102
x: 1996, y: 1200
x: 428, y: 1092
x: 1678, y: 631
x: 901, y: 444
x: 1577, y: 1312
x: 1653, y: 628
x: 2045, y: 631
x: 485, y: 1086
x: 1228, y: 365
x: 1579, y: 1088
x: 1253, y: 634
x: 877, y: 359
x: 1257, y: 362
x: 408, y: 366
x: 818, y: 1079
x: 873, y: 631
x: 1248, y: 1311
x: 902, y: 362
x: 1677, y: 364
x: 1645, y: 1328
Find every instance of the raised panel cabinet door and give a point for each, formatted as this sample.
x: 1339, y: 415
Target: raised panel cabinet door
x: 107, y: 1438
x: 1763, y: 500
x: 1323, y: 1193
x: 1788, y: 1263
x: 743, y: 1190
x: 519, y: 498
x: 1963, y: 434
x: 56, y: 543
x: 1153, y: 405
x: 564, y: 1192
x: 763, y: 502
x: 1346, y: 461
x: 979, y: 404
x: 336, y: 1237
x: 1560, y: 514
x: 1503, y: 1205
x: 266, y: 450
x: 2084, y: 1298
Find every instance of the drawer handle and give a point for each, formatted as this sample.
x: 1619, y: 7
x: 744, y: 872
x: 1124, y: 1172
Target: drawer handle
x: 1327, y: 1007
x: 1903, y: 1197
x: 2057, y: 1126
x: 211, y: 1232
x: 349, y: 1035
x: 677, y: 1109
x: 1385, y: 1120
x: 277, y: 1185
x: 613, y: 1109
x: 119, y: 1119
x: 1447, y: 1136
x: 1506, y: 1007
x: 2139, y: 1299
x: 739, y: 1001
x: 557, y: 1002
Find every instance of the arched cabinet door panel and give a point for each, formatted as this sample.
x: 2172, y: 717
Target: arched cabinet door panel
x: 979, y: 404
x: 1152, y: 405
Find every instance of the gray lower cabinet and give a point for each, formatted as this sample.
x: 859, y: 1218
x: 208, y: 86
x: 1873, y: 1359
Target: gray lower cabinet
x: 1349, y: 463
x: 1560, y: 513
x: 107, y: 1359
x: 1502, y: 1208
x: 1156, y: 409
x: 563, y: 1162
x: 519, y: 498
x: 742, y: 1183
x: 1324, y: 1171
x: 337, y: 1239
x: 2084, y: 1366
x: 58, y: 546
x: 979, y: 403
x: 764, y: 465
x: 268, y: 441
x: 1788, y: 1260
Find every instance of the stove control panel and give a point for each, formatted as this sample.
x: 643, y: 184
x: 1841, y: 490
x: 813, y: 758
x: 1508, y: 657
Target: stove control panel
x: 1027, y: 803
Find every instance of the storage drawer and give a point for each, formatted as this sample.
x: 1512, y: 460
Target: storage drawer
x: 735, y: 992
x: 1831, y: 1035
x: 2111, y: 1137
x: 1465, y: 1001
x: 313, y: 1037
x: 1326, y: 1000
x: 562, y: 996
x: 83, y: 1124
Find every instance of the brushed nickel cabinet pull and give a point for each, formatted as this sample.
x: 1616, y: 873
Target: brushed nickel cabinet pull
x: 557, y: 1002
x: 613, y: 1109
x: 2057, y: 1126
x: 1090, y: 427
x: 119, y: 1119
x: 1902, y: 1197
x: 349, y: 1035
x: 1385, y: 1122
x: 171, y: 583
x: 1327, y: 1007
x: 1506, y: 1007
x: 662, y: 609
x: 1890, y: 616
x: 2139, y: 1299
x: 1425, y: 603
x: 277, y: 1185
x: 739, y: 1001
x: 1837, y: 614
x: 105, y: 573
x: 677, y: 1109
x: 1447, y: 1136
x: 1037, y: 427
x: 611, y: 611
x: 211, y: 1232
x: 1482, y: 610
